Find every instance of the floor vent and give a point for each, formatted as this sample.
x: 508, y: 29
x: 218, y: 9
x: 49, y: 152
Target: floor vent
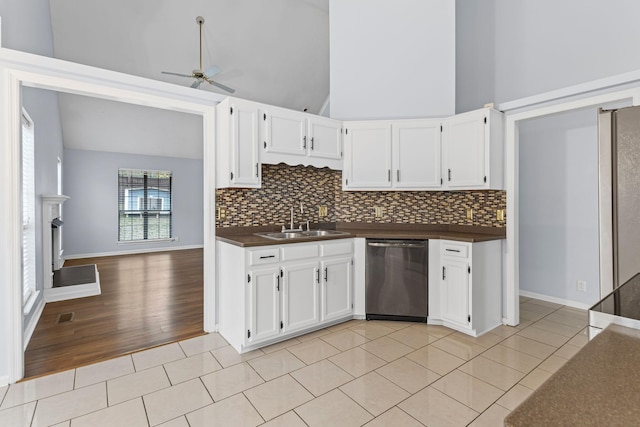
x: 66, y: 317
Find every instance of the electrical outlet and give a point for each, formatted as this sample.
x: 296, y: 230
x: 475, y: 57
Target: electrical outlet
x: 500, y: 214
x: 469, y: 213
x: 322, y: 211
x: 378, y: 211
x: 222, y: 213
x: 581, y: 285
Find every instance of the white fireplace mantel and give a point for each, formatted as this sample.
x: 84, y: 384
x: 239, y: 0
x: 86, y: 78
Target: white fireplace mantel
x: 51, y: 242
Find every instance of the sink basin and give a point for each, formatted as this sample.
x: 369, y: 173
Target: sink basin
x: 317, y: 233
x: 277, y: 235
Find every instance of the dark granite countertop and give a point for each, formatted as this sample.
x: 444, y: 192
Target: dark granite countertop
x: 599, y: 386
x: 245, y: 237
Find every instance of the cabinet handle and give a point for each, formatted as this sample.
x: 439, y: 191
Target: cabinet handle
x: 452, y: 250
x: 325, y: 274
x: 389, y: 175
x: 311, y: 143
x: 317, y: 275
x: 277, y: 283
x: 449, y: 174
x: 398, y: 175
x: 257, y: 171
x: 267, y: 256
x: 444, y: 272
x: 304, y: 142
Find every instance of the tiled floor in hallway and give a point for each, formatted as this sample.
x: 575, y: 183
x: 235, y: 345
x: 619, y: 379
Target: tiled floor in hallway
x: 356, y: 373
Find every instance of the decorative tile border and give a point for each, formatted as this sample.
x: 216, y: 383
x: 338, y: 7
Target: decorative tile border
x: 284, y: 187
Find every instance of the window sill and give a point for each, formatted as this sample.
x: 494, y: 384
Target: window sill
x: 126, y: 242
x: 30, y: 302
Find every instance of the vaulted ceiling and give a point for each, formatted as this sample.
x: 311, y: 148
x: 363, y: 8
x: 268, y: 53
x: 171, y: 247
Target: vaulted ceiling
x: 274, y: 51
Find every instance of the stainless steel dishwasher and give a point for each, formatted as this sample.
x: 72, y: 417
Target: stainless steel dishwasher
x: 397, y: 280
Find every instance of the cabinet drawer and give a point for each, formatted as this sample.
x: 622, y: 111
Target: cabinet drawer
x: 336, y: 248
x: 264, y: 256
x: 455, y: 250
x: 292, y: 252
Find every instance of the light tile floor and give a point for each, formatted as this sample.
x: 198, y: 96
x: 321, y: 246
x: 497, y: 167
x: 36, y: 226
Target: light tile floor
x: 356, y: 373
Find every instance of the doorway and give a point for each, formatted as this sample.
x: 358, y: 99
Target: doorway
x: 18, y: 69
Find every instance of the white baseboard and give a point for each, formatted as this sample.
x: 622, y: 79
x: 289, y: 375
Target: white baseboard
x: 562, y: 301
x: 4, y: 381
x: 132, y: 252
x: 31, y: 327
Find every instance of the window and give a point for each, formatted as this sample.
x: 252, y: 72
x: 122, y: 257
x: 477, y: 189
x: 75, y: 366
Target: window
x: 144, y: 205
x: 28, y: 209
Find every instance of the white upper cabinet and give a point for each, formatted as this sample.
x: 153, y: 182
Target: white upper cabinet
x: 283, y: 131
x: 367, y: 159
x: 237, y: 141
x: 324, y: 138
x: 296, y: 138
x: 472, y: 151
x: 416, y: 154
x: 392, y: 155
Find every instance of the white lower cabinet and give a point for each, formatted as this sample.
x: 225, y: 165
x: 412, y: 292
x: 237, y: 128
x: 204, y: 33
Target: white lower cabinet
x: 271, y: 293
x: 300, y: 296
x: 264, y: 304
x: 455, y: 291
x: 471, y: 286
x: 337, y: 287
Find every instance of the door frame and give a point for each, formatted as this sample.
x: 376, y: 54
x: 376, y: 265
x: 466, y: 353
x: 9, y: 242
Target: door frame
x: 18, y: 69
x: 621, y: 89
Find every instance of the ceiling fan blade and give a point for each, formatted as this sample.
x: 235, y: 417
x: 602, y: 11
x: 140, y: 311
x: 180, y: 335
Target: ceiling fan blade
x: 221, y: 86
x: 176, y: 74
x: 212, y: 71
x: 196, y: 84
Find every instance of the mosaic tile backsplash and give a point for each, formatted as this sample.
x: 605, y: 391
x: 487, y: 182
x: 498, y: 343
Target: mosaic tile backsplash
x: 284, y: 187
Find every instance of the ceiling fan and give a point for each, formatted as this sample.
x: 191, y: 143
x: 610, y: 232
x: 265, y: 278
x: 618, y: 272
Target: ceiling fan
x: 203, y: 76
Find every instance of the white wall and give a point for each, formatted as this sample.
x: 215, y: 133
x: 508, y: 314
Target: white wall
x: 559, y: 206
x: 392, y: 59
x: 543, y: 45
x: 475, y: 54
x: 91, y: 214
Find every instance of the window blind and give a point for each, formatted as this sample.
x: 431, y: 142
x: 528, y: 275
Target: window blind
x: 144, y: 205
x: 28, y: 208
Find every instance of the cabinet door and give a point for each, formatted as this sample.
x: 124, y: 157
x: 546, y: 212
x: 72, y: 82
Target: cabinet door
x: 300, y: 298
x: 367, y: 163
x: 336, y: 292
x: 245, y: 169
x: 464, y: 148
x: 455, y: 291
x: 416, y: 155
x: 325, y: 137
x: 284, y: 131
x: 264, y: 304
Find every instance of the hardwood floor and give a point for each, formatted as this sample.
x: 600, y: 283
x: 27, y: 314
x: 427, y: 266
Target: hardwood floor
x: 146, y: 300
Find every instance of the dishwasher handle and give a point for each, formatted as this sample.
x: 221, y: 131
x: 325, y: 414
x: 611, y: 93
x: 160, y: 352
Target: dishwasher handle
x: 396, y: 245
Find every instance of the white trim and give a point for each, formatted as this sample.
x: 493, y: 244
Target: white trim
x: 18, y: 69
x: 566, y: 92
x: 132, y: 252
x: 4, y: 381
x: 31, y: 327
x: 555, y: 300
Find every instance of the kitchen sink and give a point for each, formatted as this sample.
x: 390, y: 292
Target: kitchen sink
x: 278, y: 235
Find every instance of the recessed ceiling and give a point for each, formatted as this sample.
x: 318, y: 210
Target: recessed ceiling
x: 274, y: 51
